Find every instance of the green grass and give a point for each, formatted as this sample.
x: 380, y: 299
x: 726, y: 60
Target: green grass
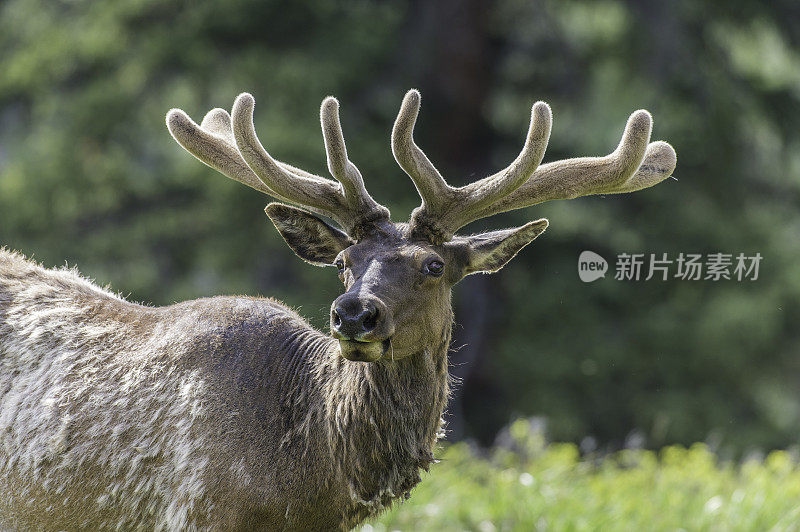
x: 537, y: 486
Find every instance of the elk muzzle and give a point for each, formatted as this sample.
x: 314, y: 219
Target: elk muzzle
x: 360, y: 324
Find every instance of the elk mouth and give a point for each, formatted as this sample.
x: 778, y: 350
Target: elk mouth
x: 358, y: 351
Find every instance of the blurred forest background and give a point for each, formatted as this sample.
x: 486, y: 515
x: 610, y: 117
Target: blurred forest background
x: 90, y: 176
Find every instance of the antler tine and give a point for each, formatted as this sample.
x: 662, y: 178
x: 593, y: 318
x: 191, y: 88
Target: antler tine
x: 659, y: 163
x: 313, y: 192
x: 489, y: 190
x: 445, y: 209
x: 432, y: 187
x: 212, y: 143
x: 340, y: 166
x: 634, y: 165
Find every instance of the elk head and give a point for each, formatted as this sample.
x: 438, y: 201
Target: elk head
x: 397, y: 276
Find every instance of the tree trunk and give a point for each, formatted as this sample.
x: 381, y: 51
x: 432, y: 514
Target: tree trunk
x: 455, y: 81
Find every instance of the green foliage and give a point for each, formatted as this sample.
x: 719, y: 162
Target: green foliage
x: 535, y: 486
x: 90, y: 174
x: 680, y: 361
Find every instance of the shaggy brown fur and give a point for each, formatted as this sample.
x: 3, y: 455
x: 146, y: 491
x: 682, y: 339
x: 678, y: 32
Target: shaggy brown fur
x: 222, y: 413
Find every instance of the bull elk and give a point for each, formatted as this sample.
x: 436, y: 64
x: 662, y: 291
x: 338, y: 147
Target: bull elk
x: 231, y: 413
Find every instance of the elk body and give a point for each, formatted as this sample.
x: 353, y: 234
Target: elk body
x: 232, y: 412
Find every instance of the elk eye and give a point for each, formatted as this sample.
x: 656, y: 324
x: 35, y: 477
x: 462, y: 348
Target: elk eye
x: 339, y: 263
x: 434, y: 268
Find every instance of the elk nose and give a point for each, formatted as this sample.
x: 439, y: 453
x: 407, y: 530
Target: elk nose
x: 352, y: 318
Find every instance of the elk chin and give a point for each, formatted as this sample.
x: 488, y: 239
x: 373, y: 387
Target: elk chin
x: 362, y: 351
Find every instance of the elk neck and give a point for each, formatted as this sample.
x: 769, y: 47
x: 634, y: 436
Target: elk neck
x: 380, y: 420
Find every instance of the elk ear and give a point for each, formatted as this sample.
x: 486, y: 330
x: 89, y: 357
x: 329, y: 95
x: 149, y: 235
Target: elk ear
x: 311, y: 238
x: 488, y: 252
